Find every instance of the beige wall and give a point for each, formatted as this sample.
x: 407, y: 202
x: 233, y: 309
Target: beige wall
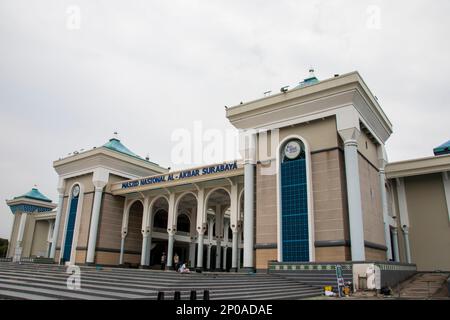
x: 319, y: 134
x: 266, y: 208
x: 263, y: 256
x: 133, y: 241
x: 371, y: 203
x: 328, y: 190
x: 333, y: 254
x: 39, y: 246
x: 13, y: 239
x: 88, y: 197
x: 368, y: 148
x: 110, y: 225
x: 330, y: 211
x: 429, y: 222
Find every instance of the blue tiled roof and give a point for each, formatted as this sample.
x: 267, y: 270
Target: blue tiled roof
x: 116, y: 145
x: 442, y: 149
x: 34, y: 194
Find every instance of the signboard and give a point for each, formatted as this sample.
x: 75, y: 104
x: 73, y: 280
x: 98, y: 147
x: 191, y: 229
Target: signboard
x: 340, y: 279
x: 174, y: 176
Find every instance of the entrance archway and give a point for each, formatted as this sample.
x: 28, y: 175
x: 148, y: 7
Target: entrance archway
x: 159, y: 213
x: 133, y: 240
x: 217, y: 202
x: 184, y: 246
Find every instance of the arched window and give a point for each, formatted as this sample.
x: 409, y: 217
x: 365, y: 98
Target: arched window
x: 183, y: 223
x: 160, y: 219
x: 294, y: 202
x: 72, y: 215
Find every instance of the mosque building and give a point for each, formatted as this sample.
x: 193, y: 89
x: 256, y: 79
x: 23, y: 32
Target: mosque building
x: 314, y: 185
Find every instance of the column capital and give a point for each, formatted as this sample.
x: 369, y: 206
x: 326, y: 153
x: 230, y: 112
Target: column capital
x: 349, y: 136
x: 100, y: 178
x: 61, y: 186
x: 394, y: 230
x: 170, y: 232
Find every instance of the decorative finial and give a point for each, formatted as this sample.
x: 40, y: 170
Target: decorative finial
x: 116, y: 135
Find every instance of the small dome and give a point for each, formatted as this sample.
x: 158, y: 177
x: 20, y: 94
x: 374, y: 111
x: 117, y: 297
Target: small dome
x: 442, y: 149
x: 115, y: 145
x: 34, y: 194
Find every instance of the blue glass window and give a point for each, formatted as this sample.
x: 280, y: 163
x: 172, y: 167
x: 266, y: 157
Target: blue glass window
x: 70, y: 228
x: 294, y: 206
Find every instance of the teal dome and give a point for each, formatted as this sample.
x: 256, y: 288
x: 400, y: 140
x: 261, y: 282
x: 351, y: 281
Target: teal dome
x: 442, y: 149
x: 34, y: 194
x: 115, y: 145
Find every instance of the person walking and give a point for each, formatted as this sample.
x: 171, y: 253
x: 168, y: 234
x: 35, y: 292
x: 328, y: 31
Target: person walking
x: 163, y: 261
x: 176, y: 261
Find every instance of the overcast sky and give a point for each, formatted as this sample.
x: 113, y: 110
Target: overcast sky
x: 145, y: 68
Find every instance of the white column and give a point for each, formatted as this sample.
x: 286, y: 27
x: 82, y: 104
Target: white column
x: 239, y: 250
x: 218, y: 235
x: 225, y: 240
x: 100, y: 179
x: 210, y: 239
x: 395, y: 244
x: 57, y: 220
x: 200, y: 240
x: 350, y: 136
x: 124, y: 231
x: 93, y: 230
x: 235, y: 251
x: 51, y: 225
x: 382, y: 158
x: 200, y: 226
x: 171, y: 229
x: 122, y: 248
x: 170, y: 249
x: 146, y: 237
x: 446, y: 181
x: 407, y: 247
x: 404, y: 218
x: 192, y: 253
x: 249, y: 223
x: 23, y: 220
x: 208, y: 257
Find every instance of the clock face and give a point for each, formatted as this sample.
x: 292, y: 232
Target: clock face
x: 292, y: 149
x: 76, y: 191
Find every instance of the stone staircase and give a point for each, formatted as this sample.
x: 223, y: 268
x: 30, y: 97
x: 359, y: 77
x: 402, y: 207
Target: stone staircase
x: 47, y: 282
x: 424, y: 286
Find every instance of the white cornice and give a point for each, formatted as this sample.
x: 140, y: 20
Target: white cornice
x: 419, y: 166
x: 320, y: 100
x: 32, y: 202
x: 141, y: 163
x: 114, y: 162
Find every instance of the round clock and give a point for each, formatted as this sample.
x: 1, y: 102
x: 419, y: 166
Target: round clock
x: 292, y: 149
x: 76, y: 191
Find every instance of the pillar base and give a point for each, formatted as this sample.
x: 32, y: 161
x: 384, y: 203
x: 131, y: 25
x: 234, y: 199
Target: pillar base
x: 90, y: 264
x: 199, y: 270
x: 247, y: 270
x: 144, y: 267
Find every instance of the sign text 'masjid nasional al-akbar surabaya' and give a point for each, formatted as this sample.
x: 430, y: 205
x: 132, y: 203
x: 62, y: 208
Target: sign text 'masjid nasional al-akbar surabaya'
x: 180, y: 175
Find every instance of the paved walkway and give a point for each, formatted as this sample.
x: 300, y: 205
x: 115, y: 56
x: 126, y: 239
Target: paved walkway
x: 48, y: 282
